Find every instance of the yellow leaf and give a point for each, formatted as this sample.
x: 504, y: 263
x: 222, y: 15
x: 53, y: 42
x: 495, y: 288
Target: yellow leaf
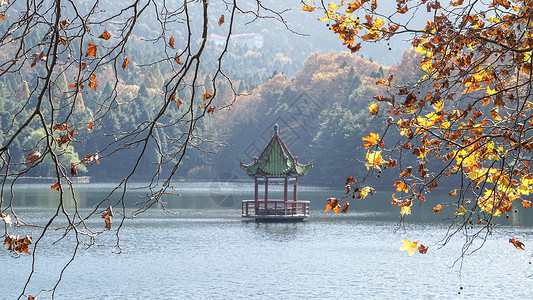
x: 365, y: 191
x: 373, y: 108
x: 453, y: 193
x: 406, y: 210
x: 332, y: 6
x: 460, y: 211
x: 410, y: 247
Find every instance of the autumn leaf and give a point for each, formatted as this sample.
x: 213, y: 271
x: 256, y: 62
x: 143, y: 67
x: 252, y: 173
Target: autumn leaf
x: 6, y: 218
x: 82, y: 66
x: 92, y: 50
x: 21, y: 245
x: 373, y: 108
x: 35, y: 155
x: 105, y: 35
x: 371, y: 140
x: 221, y: 20
x: 410, y: 247
x: 460, y: 211
x: 91, y: 126
x: 107, y: 215
x: 345, y: 207
x: 437, y: 208
x: 2, y: 16
x: 457, y: 3
x: 371, y: 36
x: 308, y: 8
x: 177, y: 59
x: 171, y: 42
x: 401, y: 186
x: 422, y: 249
x: 518, y: 244
x: 207, y: 96
x: 73, y: 170
x: 453, y: 193
x: 526, y: 204
x: 406, y: 209
x: 350, y: 180
x: 125, y: 63
x: 55, y: 186
x: 30, y: 297
x: 87, y: 159
x: 333, y: 204
x: 202, y: 106
x: 37, y: 58
x: 365, y: 192
x: 179, y: 103
x: 408, y: 171
x: 92, y: 82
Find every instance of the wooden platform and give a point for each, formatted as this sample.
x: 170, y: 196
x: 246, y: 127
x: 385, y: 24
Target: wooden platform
x: 275, y: 210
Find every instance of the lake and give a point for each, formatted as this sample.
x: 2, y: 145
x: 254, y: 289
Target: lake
x: 206, y: 251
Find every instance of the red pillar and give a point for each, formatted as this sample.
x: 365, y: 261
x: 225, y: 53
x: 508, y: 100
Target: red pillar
x: 256, y: 197
x: 295, y: 197
x: 266, y: 194
x: 285, y: 187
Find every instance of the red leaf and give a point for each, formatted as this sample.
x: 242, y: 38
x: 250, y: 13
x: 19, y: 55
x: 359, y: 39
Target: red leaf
x: 518, y: 244
x: 221, y: 20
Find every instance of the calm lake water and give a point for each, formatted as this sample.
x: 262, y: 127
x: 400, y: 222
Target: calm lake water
x: 206, y: 251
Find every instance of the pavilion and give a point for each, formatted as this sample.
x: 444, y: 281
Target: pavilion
x: 276, y: 164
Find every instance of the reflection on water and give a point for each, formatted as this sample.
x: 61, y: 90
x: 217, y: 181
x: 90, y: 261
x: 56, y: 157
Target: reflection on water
x: 208, y: 252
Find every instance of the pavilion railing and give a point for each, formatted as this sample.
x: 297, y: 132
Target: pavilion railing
x: 275, y: 208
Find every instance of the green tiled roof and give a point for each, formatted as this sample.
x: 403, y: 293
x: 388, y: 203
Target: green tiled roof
x: 276, y: 161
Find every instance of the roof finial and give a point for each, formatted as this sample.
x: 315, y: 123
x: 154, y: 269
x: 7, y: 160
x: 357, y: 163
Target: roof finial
x: 276, y: 129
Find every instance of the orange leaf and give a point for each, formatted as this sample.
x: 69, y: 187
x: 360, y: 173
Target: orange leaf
x: 105, y: 35
x: 408, y: 171
x: 518, y: 244
x: 211, y: 109
x: 221, y: 20
x: 453, y: 193
x: 336, y: 209
x: 171, y: 42
x: 203, y: 105
x: 125, y: 63
x: 332, y: 203
x: 207, y: 96
x: 422, y: 249
x: 308, y: 8
x: 177, y: 59
x: 107, y: 222
x: 91, y: 126
x: 92, y: 50
x: 401, y: 186
x: 437, y: 208
x: 526, y: 204
x: 2, y: 16
x: 55, y: 186
x: 457, y: 3
x: 370, y: 140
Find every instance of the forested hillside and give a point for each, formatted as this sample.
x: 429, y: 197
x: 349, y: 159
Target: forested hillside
x: 317, y: 96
